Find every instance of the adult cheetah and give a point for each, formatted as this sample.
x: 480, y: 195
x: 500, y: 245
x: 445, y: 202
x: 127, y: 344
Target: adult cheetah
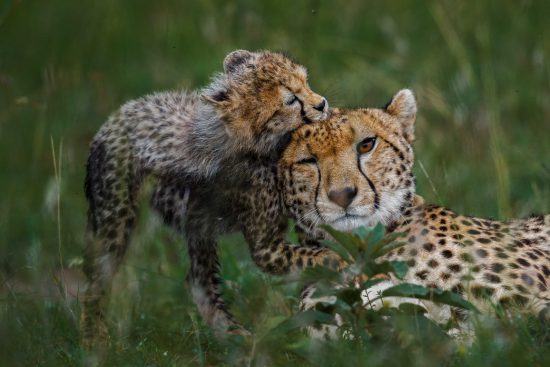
x: 356, y: 169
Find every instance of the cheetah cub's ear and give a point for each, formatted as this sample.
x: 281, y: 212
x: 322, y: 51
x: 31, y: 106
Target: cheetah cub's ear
x: 237, y: 59
x: 218, y: 92
x: 403, y: 107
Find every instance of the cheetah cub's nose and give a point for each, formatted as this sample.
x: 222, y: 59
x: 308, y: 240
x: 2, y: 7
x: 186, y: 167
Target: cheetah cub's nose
x: 343, y: 197
x: 321, y: 106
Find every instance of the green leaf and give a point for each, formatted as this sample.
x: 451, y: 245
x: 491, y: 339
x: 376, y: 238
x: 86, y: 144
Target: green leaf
x: 430, y: 294
x: 342, y: 308
x: 411, y: 309
x: 298, y: 321
x: 371, y: 282
x: 324, y: 288
x: 313, y: 274
x: 274, y: 321
x: 399, y: 268
x: 340, y: 250
x: 387, y: 248
x: 291, y: 233
x: 406, y: 290
x: 452, y: 299
x: 350, y: 295
x: 372, y: 241
x: 376, y: 233
x: 361, y: 232
x: 349, y: 241
x: 390, y: 237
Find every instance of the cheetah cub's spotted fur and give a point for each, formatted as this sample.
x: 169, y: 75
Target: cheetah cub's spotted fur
x: 356, y: 169
x: 184, y: 137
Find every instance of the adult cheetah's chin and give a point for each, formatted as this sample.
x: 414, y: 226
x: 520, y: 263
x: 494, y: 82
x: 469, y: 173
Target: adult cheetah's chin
x: 348, y: 223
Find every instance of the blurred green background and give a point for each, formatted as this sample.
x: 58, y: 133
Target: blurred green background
x: 480, y: 71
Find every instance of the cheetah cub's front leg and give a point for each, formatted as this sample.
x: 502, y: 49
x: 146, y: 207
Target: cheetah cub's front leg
x: 204, y: 277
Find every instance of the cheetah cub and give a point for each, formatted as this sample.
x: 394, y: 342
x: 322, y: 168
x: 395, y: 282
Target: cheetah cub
x: 184, y: 137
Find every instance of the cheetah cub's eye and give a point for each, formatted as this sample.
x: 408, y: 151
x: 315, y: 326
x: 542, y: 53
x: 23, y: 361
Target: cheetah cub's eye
x: 293, y: 99
x: 366, y: 145
x: 310, y: 160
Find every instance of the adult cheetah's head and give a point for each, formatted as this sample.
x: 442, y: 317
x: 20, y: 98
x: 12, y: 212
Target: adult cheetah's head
x: 353, y: 170
x: 262, y: 96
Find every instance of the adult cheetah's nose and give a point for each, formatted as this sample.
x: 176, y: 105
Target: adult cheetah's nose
x: 343, y: 197
x: 321, y: 106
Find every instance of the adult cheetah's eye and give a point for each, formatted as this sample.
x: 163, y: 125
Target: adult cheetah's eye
x: 366, y: 145
x: 292, y: 100
x: 310, y: 160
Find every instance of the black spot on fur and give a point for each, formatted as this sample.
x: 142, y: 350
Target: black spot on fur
x: 497, y: 268
x: 428, y: 247
x: 492, y: 278
x: 527, y: 279
x: 455, y: 268
x: 481, y: 253
x: 523, y: 262
x: 422, y: 274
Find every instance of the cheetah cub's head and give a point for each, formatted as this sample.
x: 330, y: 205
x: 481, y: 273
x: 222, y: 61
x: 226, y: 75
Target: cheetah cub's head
x: 262, y: 97
x: 354, y: 169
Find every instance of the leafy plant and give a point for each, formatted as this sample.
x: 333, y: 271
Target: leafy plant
x: 342, y: 292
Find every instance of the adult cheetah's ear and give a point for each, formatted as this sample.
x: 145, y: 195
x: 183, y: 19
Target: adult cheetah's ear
x: 234, y: 60
x: 403, y: 107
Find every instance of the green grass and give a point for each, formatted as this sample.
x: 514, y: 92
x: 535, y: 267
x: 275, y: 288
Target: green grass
x: 480, y: 71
